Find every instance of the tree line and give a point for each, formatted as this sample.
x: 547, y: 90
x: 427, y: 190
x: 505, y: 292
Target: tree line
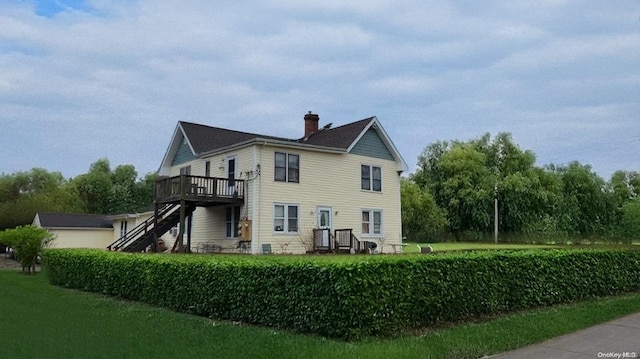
x: 102, y: 190
x: 453, y: 192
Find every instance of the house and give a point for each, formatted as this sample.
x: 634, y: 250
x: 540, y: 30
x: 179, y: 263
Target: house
x: 226, y: 190
x: 72, y: 230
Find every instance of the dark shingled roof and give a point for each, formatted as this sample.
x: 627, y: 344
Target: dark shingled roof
x: 206, y: 138
x: 74, y: 220
x: 339, y: 137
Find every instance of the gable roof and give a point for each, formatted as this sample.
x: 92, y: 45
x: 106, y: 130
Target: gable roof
x: 72, y: 220
x: 203, y: 140
x: 341, y: 136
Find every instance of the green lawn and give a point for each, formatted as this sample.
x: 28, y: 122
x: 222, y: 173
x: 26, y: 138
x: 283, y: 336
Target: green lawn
x: 44, y: 321
x: 457, y: 246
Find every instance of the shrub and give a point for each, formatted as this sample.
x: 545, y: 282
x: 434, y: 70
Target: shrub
x: 27, y: 242
x: 350, y: 297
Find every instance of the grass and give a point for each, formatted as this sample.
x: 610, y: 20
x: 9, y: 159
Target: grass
x: 467, y: 246
x: 459, y: 246
x: 44, y: 321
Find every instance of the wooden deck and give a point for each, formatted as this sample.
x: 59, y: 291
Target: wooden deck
x: 203, y: 191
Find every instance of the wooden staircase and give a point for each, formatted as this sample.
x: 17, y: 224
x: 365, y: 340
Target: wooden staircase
x: 144, y: 235
x: 341, y: 241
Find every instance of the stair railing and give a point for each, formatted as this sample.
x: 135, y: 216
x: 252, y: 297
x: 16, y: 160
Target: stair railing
x: 141, y: 229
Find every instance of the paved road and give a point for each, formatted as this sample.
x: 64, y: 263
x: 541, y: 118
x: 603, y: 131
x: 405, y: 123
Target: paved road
x: 616, y: 339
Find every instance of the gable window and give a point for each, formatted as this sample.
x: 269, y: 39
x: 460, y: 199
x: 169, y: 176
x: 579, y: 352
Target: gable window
x: 287, y: 167
x: 285, y: 218
x: 371, y: 222
x: 371, y: 178
x: 232, y: 219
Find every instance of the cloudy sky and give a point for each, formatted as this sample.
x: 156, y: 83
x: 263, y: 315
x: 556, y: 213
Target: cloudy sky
x: 86, y: 79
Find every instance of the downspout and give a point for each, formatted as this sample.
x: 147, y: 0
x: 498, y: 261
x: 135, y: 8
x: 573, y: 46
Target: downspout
x: 255, y: 197
x: 259, y: 202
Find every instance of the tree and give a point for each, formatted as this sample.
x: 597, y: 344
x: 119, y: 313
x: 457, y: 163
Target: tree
x: 421, y: 216
x: 94, y: 187
x: 467, y: 191
x: 27, y: 242
x: 625, y: 185
x: 24, y: 193
x: 119, y: 191
x: 585, y: 202
x: 630, y: 222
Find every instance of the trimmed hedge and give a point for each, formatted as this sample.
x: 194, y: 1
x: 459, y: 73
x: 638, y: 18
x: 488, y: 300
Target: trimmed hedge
x: 350, y: 297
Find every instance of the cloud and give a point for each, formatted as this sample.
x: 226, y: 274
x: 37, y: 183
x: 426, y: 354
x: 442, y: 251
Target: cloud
x: 110, y: 79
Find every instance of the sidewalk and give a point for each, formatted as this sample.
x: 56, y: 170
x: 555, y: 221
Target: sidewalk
x: 618, y: 338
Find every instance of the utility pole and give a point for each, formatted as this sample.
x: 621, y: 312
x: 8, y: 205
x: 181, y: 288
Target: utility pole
x: 495, y: 213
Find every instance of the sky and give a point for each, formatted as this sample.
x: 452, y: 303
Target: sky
x: 82, y: 80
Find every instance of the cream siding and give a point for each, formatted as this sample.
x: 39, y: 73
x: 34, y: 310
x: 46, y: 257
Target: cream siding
x: 209, y: 223
x: 328, y: 180
x: 81, y: 238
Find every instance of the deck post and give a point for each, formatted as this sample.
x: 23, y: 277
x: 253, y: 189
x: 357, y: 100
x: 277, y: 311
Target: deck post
x: 189, y: 221
x: 182, y: 226
x: 182, y: 215
x: 154, y: 246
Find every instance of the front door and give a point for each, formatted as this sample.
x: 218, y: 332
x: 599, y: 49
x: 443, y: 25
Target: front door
x: 324, y: 222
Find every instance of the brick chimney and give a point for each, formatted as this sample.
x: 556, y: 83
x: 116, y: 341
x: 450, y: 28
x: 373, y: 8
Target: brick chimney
x: 310, y: 124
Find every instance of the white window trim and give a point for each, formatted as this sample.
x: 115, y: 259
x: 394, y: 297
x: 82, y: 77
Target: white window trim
x: 371, y: 222
x: 286, y: 166
x: 285, y: 230
x: 371, y: 166
x: 224, y: 229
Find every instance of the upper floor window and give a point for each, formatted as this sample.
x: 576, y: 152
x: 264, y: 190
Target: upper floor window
x: 231, y: 170
x: 371, y: 178
x: 285, y: 218
x: 186, y: 170
x: 207, y: 169
x: 287, y: 167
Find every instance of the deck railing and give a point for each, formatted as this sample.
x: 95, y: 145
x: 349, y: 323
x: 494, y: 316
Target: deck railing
x: 198, y: 188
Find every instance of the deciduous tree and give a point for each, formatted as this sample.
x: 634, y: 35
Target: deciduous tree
x: 27, y: 242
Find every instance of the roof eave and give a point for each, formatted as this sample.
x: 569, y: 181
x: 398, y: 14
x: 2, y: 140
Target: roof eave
x: 270, y: 141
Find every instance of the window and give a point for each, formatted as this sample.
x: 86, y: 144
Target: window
x: 232, y: 220
x: 207, y: 169
x: 186, y: 170
x: 231, y: 170
x: 123, y: 228
x: 371, y: 178
x: 287, y: 167
x: 285, y: 218
x: 371, y: 222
